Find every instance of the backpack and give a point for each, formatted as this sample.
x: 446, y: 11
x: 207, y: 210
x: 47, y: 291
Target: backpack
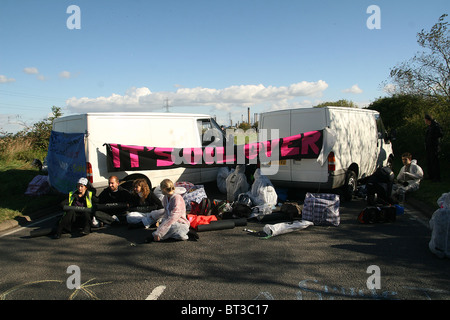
x: 292, y: 209
x: 203, y: 208
x: 218, y: 207
x: 241, y: 210
x: 377, y: 214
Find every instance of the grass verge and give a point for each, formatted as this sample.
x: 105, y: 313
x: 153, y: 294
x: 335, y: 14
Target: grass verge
x: 15, y: 177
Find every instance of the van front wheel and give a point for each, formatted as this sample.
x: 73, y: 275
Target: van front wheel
x: 350, y: 185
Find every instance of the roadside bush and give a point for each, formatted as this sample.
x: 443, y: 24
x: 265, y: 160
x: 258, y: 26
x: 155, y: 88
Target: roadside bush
x: 405, y: 114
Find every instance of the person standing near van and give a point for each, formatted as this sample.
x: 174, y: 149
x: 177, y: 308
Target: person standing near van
x: 432, y: 139
x: 81, y: 197
x: 174, y: 223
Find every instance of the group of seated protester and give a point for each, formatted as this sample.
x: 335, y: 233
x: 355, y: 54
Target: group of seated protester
x: 141, y: 207
x: 116, y: 205
x: 383, y: 187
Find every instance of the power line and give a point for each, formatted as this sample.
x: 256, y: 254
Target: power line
x: 27, y: 95
x: 18, y: 106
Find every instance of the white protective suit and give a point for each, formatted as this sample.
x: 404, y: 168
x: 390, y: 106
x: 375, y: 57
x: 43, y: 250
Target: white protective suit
x: 262, y: 191
x: 236, y: 183
x: 222, y: 175
x: 411, y: 177
x: 440, y: 228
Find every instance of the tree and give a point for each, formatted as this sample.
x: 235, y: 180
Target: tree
x: 404, y: 114
x: 40, y: 132
x: 398, y: 109
x: 427, y: 73
x: 244, y: 126
x: 339, y: 103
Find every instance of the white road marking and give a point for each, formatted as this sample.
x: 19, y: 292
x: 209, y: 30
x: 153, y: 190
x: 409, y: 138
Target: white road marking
x: 156, y: 293
x: 28, y: 226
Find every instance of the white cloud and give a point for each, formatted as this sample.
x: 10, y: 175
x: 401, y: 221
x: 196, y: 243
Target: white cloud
x: 5, y: 79
x: 142, y: 99
x: 31, y: 70
x: 354, y: 89
x: 65, y: 74
x: 390, y: 88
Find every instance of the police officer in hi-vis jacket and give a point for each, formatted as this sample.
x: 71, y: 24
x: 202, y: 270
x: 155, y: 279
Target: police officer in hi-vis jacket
x: 81, y: 197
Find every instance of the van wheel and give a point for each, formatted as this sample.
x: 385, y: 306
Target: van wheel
x: 127, y: 182
x: 350, y: 185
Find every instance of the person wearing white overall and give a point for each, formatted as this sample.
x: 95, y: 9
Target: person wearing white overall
x: 408, y: 179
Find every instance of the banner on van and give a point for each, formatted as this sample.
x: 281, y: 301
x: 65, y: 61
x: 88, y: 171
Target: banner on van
x: 66, y: 160
x: 122, y: 157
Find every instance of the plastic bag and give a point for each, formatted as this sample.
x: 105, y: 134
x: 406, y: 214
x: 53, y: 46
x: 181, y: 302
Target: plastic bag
x: 222, y: 175
x: 236, y: 183
x: 444, y: 201
x: 244, y: 198
x: 158, y: 193
x: 286, y: 227
x: 262, y: 191
x: 261, y: 210
x: 38, y: 186
x: 321, y: 208
x: 197, y: 193
x: 440, y: 228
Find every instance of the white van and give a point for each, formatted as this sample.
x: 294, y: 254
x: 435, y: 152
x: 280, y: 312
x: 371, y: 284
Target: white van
x: 172, y: 130
x: 361, y: 146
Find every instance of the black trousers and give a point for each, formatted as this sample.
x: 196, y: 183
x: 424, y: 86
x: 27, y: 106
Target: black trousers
x: 106, y: 217
x: 72, y: 218
x: 433, y: 168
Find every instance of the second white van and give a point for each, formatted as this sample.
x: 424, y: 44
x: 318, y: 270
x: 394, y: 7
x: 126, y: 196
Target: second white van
x: 361, y: 146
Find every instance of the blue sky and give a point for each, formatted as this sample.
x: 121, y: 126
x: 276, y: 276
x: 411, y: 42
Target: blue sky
x: 215, y: 57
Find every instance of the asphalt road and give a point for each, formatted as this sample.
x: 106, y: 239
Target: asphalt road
x: 317, y: 263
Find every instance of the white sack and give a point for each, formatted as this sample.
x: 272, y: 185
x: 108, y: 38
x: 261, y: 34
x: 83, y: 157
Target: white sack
x: 440, y: 228
x: 262, y: 191
x: 286, y: 227
x: 236, y: 183
x: 222, y: 175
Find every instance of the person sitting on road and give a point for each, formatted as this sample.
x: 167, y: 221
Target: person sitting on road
x: 145, y: 206
x: 379, y: 187
x: 112, y: 195
x: 174, y: 223
x: 408, y: 179
x: 81, y: 197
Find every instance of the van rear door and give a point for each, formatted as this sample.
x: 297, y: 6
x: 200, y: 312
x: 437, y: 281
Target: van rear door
x: 279, y: 121
x: 308, y: 170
